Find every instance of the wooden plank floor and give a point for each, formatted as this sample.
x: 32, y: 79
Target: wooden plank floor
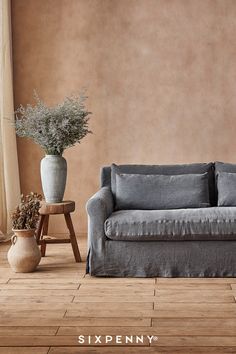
x: 45, y: 311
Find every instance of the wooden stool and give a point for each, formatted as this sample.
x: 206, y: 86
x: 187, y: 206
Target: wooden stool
x: 45, y: 211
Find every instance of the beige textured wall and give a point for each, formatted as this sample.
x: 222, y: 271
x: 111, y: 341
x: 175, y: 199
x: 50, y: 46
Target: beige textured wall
x: 161, y: 77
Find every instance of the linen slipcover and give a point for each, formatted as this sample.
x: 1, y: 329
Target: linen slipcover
x: 216, y: 223
x: 172, y: 258
x: 156, y: 192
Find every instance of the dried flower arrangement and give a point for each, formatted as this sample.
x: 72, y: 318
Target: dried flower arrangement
x: 54, y: 128
x: 26, y: 215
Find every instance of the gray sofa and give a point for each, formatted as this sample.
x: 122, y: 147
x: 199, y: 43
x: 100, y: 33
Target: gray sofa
x: 163, y: 221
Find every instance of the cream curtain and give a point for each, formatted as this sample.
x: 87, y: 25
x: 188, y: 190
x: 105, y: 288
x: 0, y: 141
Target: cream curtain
x: 9, y: 173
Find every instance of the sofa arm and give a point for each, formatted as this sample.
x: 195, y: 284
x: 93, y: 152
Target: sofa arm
x: 101, y: 204
x: 99, y: 207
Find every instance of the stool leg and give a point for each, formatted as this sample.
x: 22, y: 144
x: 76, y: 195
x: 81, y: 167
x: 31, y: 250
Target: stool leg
x: 73, y: 238
x: 43, y: 248
x: 40, y: 227
x: 44, y: 233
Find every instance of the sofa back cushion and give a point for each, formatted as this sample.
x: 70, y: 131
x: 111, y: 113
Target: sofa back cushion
x: 226, y: 185
x: 156, y: 192
x: 223, y: 167
x: 196, y: 168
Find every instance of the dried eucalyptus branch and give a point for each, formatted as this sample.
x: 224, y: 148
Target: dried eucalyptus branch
x: 54, y: 128
x: 26, y: 215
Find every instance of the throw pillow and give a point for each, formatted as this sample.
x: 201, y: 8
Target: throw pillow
x: 226, y: 185
x: 135, y: 191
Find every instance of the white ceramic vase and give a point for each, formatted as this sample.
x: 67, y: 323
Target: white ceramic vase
x: 24, y: 254
x: 53, y: 176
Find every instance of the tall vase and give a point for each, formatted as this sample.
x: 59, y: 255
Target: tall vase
x: 24, y: 254
x: 53, y: 176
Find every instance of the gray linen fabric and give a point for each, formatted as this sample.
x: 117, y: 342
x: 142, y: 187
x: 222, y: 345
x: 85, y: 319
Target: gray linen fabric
x: 107, y: 173
x: 154, y: 258
x: 99, y: 208
x: 167, y: 259
x: 135, y: 191
x: 226, y: 185
x: 225, y: 167
x: 216, y: 223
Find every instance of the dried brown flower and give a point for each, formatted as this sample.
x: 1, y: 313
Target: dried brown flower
x: 26, y: 214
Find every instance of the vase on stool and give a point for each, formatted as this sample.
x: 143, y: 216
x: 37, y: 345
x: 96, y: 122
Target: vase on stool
x: 53, y: 176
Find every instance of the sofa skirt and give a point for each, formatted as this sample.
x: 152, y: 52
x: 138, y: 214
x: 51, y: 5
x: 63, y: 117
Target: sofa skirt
x: 163, y: 259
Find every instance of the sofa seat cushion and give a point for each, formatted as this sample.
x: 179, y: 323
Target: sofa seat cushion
x: 216, y: 223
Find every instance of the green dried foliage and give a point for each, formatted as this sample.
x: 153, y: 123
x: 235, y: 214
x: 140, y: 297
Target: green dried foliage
x: 54, y: 128
x: 26, y: 215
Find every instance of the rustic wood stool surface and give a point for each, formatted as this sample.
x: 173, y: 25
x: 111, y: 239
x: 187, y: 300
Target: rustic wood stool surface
x: 47, y: 209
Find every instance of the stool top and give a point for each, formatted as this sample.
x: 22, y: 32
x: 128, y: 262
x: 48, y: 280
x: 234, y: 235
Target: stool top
x: 65, y: 207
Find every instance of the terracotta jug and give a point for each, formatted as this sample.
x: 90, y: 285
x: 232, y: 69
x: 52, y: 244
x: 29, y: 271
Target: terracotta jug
x: 24, y: 254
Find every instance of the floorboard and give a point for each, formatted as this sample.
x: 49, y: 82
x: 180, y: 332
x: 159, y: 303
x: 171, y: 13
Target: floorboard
x: 45, y: 312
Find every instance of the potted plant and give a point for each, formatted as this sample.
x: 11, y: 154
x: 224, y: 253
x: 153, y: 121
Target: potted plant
x: 54, y: 129
x: 24, y: 254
